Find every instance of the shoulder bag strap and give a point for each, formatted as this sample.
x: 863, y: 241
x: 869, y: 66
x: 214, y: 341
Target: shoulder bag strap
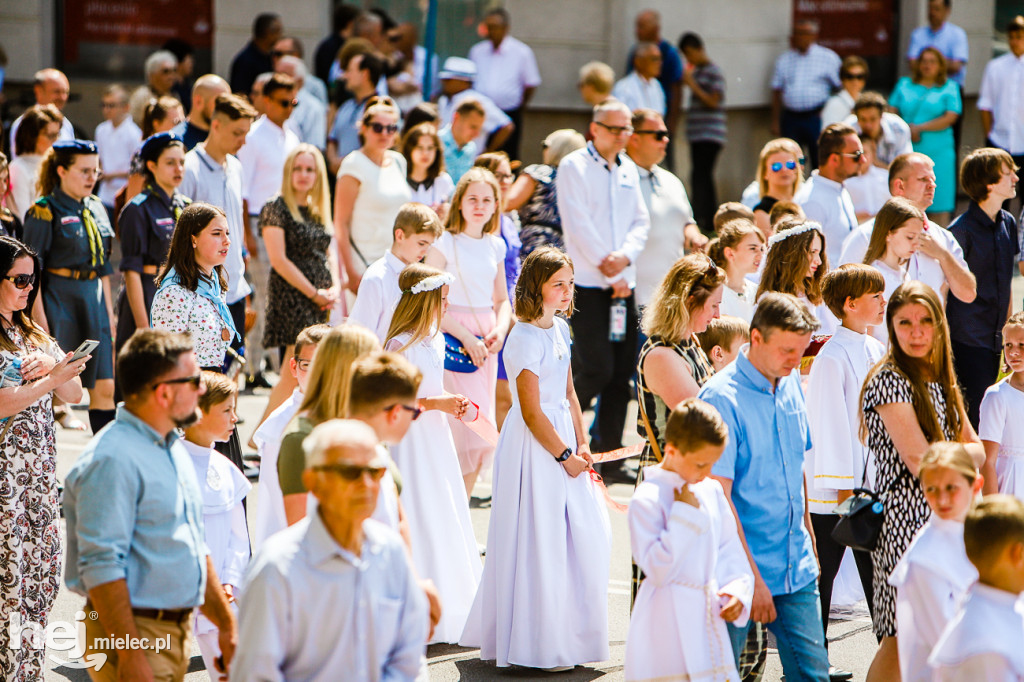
x: 651, y: 440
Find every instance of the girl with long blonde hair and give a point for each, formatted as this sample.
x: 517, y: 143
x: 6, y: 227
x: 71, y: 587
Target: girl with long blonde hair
x: 297, y: 228
x: 326, y: 398
x: 444, y: 548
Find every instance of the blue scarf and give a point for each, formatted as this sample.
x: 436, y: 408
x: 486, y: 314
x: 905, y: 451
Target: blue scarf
x: 207, y: 288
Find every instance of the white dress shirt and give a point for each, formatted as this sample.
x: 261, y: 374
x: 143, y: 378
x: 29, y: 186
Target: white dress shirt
x: 837, y: 108
x: 870, y: 191
x: 983, y: 642
x: 921, y: 267
x: 1002, y: 94
x: 262, y: 156
x: 378, y: 295
x: 116, y: 145
x: 670, y: 213
x: 313, y: 609
x: 827, y: 202
x: 494, y: 117
x: 602, y: 210
x: 67, y: 132
x: 637, y: 92
x: 503, y: 73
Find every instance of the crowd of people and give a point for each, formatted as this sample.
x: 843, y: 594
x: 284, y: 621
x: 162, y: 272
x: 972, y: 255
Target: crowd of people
x: 835, y: 352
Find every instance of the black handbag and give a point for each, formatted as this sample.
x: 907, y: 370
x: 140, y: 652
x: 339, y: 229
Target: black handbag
x: 860, y: 520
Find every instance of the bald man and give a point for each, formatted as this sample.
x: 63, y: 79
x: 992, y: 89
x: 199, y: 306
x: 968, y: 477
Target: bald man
x: 196, y: 127
x: 50, y: 87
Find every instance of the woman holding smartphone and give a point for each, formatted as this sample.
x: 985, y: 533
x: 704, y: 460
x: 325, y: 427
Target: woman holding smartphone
x: 30, y: 547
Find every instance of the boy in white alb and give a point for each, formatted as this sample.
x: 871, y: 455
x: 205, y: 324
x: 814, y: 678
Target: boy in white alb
x: 983, y: 642
x: 416, y: 228
x: 837, y: 463
x: 269, y: 517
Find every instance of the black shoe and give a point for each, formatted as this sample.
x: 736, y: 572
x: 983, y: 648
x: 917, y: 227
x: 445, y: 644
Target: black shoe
x: 837, y: 675
x: 258, y: 381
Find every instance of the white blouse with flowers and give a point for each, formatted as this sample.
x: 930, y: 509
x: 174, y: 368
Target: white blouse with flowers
x: 177, y: 309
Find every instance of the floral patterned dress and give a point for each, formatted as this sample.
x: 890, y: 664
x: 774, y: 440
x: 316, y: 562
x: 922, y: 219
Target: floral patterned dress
x: 177, y: 309
x: 30, y: 554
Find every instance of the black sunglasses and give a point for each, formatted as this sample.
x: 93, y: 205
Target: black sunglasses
x: 777, y: 166
x: 195, y: 380
x: 22, y: 281
x: 854, y: 76
x: 353, y: 472
x: 416, y: 410
x: 379, y: 128
x: 616, y: 130
x: 287, y: 103
x: 659, y: 135
x: 853, y: 155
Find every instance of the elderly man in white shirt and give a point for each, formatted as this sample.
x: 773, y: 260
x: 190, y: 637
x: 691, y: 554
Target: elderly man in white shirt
x: 823, y: 197
x: 939, y: 261
x: 309, y: 117
x: 605, y: 224
x: 334, y: 596
x: 673, y: 229
x: 507, y: 72
x: 117, y: 139
x: 640, y: 89
x: 1001, y: 100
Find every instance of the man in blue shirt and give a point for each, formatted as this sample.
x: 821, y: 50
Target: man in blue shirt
x: 134, y: 520
x: 988, y: 236
x: 761, y: 470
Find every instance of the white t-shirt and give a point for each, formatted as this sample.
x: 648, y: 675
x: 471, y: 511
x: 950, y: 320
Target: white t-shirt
x: 739, y: 305
x: 869, y: 191
x: 475, y: 263
x: 382, y: 191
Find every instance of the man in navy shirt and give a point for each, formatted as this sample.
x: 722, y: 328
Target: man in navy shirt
x: 255, y: 58
x: 988, y: 236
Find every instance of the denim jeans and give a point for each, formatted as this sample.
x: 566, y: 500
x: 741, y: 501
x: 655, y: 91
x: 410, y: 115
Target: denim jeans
x: 798, y: 633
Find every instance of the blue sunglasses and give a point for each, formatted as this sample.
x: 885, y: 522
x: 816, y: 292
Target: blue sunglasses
x: 777, y: 166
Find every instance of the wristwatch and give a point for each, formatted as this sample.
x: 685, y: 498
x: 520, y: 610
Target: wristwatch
x: 564, y: 456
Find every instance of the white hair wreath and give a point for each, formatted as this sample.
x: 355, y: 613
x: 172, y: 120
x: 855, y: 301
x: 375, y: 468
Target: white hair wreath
x: 792, y: 232
x: 431, y: 283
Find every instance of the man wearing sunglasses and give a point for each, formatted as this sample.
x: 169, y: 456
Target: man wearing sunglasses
x: 335, y: 595
x: 266, y: 147
x: 134, y: 520
x: 823, y: 197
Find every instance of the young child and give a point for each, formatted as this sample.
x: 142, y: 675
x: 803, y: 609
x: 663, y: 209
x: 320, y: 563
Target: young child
x: 838, y: 460
x: 268, y: 517
x: 223, y: 487
x: 738, y: 250
x: 983, y: 642
x: 416, y: 228
x: 543, y: 599
x: 934, y: 573
x: 796, y: 263
x: 782, y: 209
x: 444, y: 548
x: 894, y: 239
x: 731, y: 210
x: 1000, y: 408
x: 426, y: 175
x: 480, y: 313
x: 722, y: 340
x: 683, y: 535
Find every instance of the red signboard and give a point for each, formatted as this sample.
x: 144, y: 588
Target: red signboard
x: 861, y: 27
x: 115, y: 36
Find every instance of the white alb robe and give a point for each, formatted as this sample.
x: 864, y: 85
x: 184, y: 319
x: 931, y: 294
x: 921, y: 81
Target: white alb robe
x: 689, y: 556
x: 983, y: 642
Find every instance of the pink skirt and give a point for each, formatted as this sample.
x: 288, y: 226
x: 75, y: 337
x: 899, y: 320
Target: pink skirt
x: 478, y: 386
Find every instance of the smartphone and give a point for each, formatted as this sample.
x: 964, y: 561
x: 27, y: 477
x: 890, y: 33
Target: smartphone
x: 87, y: 347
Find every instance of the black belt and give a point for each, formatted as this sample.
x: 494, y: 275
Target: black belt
x: 170, y: 615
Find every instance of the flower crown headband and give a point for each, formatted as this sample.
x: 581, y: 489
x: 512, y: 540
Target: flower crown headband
x: 792, y: 232
x: 430, y: 283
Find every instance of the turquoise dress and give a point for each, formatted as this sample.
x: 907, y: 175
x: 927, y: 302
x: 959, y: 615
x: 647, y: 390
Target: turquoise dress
x: 920, y: 104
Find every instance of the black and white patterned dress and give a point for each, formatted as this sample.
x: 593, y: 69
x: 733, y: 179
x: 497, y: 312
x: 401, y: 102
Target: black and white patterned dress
x: 906, y: 508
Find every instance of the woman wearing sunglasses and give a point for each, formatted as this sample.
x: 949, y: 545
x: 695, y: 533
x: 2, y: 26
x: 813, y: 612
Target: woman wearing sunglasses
x: 780, y: 173
x: 69, y: 229
x: 190, y: 288
x: 853, y: 74
x: 31, y: 554
x: 371, y: 189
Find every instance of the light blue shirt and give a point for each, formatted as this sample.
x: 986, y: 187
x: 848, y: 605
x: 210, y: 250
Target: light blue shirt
x: 806, y: 79
x: 316, y: 612
x: 134, y: 512
x: 764, y: 456
x: 950, y: 40
x: 457, y: 160
x: 345, y: 129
